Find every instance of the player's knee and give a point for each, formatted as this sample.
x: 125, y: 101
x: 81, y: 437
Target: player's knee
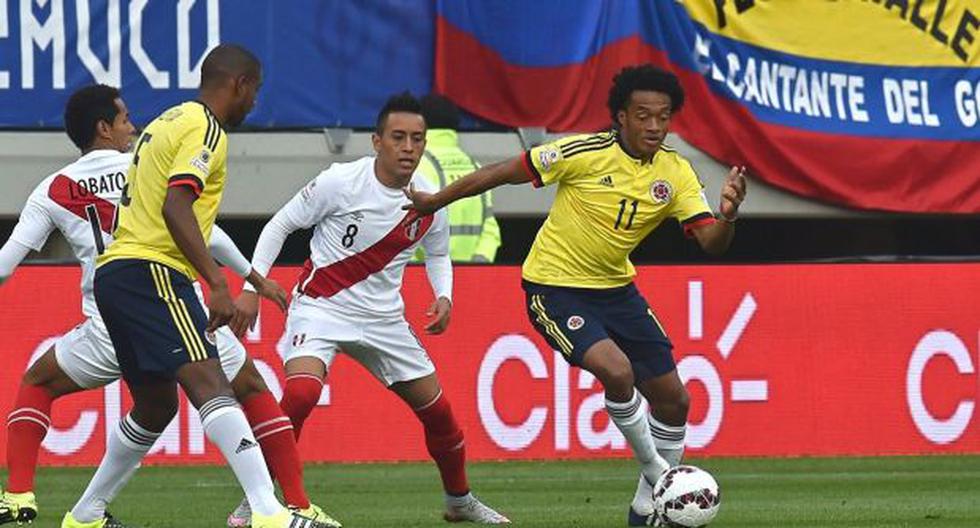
x: 203, y: 381
x: 155, y: 417
x: 300, y: 396
x: 681, y: 403
x: 45, y: 374
x: 248, y: 382
x: 673, y: 407
x: 616, y: 376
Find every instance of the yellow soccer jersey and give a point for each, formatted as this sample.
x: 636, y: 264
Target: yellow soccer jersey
x: 607, y: 203
x: 184, y: 146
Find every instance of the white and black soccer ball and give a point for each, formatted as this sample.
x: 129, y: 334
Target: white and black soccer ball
x: 686, y: 497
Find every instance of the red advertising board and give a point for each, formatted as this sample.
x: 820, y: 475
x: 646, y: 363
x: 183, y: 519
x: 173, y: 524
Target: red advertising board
x: 780, y: 360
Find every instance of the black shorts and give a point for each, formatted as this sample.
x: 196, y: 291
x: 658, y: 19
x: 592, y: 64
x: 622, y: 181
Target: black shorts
x: 574, y: 319
x: 154, y: 318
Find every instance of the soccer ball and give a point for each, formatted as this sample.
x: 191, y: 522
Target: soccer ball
x: 686, y: 497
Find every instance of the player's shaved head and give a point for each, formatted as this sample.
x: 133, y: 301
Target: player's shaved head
x: 230, y: 80
x: 229, y: 61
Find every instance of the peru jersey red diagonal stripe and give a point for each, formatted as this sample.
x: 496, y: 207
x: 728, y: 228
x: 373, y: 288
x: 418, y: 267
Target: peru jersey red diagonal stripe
x: 329, y: 280
x: 67, y: 193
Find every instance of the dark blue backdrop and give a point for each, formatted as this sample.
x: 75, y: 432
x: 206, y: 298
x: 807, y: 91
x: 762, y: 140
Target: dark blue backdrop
x: 327, y: 62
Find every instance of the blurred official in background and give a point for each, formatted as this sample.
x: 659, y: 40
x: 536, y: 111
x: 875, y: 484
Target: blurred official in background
x: 474, y: 233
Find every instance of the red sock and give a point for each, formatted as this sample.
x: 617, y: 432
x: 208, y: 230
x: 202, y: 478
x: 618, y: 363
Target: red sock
x: 444, y: 439
x: 300, y: 397
x: 26, y: 427
x: 274, y: 432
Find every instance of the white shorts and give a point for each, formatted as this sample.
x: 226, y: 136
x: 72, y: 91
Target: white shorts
x: 389, y: 349
x: 86, y: 354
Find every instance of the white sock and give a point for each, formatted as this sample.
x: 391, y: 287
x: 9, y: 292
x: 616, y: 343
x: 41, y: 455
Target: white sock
x: 630, y: 418
x: 454, y: 501
x: 669, y: 440
x: 225, y: 425
x: 123, y: 455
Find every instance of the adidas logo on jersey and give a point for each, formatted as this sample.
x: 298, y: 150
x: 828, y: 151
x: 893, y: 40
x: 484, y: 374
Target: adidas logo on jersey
x: 606, y: 181
x: 244, y: 445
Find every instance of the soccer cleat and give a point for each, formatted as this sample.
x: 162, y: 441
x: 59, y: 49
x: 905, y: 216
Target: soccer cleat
x: 106, y: 522
x: 637, y: 519
x: 472, y: 510
x: 20, y: 508
x: 317, y: 514
x: 642, y: 508
x: 242, y: 516
x: 287, y: 519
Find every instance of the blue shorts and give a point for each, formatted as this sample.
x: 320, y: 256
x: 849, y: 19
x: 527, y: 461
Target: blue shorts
x: 154, y: 318
x: 574, y: 319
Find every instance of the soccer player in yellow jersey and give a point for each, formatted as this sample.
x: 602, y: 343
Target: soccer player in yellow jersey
x: 614, y: 188
x: 144, y: 293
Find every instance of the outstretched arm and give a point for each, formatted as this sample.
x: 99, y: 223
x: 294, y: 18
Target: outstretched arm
x: 299, y: 213
x: 270, y: 242
x: 224, y: 250
x: 439, y: 269
x: 11, y: 255
x: 31, y: 232
x: 715, y: 238
x: 512, y: 171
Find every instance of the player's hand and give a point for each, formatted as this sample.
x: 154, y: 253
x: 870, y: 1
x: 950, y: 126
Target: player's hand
x: 733, y: 193
x: 439, y: 312
x: 247, y: 306
x: 220, y: 307
x: 422, y: 202
x: 269, y: 289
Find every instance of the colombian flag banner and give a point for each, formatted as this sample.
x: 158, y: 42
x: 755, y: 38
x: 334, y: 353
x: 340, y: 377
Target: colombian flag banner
x: 871, y: 104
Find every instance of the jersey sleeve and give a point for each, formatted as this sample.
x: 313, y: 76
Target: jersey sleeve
x: 547, y: 164
x: 34, y: 225
x: 197, y: 153
x: 438, y: 265
x: 224, y: 250
x: 318, y: 199
x: 691, y: 207
x: 311, y: 204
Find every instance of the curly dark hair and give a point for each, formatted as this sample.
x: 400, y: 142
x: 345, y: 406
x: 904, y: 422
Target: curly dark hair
x: 643, y: 77
x: 401, y: 102
x: 86, y: 107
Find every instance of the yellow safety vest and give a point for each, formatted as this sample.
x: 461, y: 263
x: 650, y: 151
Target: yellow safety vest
x: 474, y: 233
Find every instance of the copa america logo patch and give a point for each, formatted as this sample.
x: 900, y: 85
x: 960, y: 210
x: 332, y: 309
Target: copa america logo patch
x: 661, y: 191
x: 202, y: 161
x: 575, y: 322
x: 548, y: 157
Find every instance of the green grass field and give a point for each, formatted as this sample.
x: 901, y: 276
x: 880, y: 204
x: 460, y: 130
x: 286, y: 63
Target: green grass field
x: 940, y: 492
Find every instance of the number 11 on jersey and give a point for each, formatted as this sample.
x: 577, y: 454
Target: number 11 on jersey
x: 622, y: 209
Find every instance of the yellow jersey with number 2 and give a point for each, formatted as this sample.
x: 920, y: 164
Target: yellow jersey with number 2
x: 607, y: 203
x: 184, y: 146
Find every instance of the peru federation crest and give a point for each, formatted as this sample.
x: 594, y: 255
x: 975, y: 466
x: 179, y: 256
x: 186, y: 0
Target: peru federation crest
x: 412, y: 229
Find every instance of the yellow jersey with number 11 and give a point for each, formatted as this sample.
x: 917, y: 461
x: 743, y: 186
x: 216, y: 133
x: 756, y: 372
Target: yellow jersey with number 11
x: 607, y: 203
